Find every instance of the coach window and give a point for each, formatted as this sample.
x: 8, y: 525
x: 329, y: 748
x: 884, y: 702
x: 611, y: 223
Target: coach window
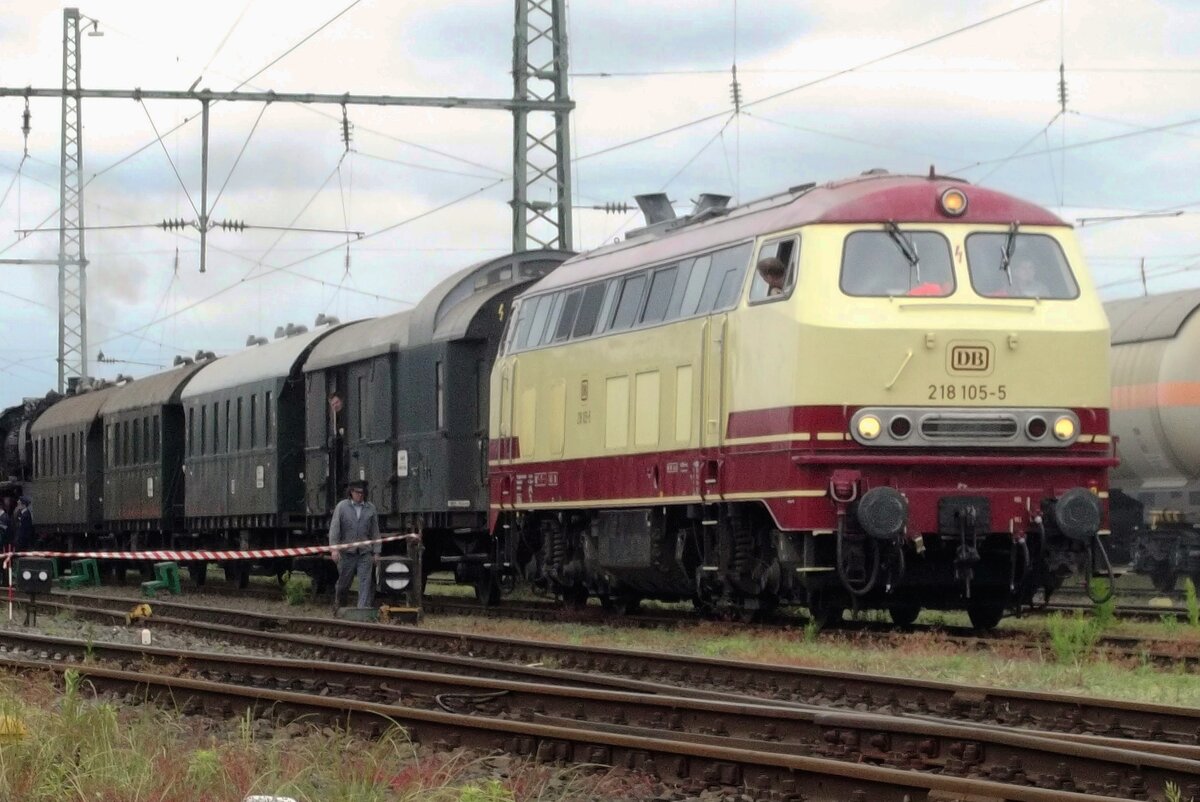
x: 630, y: 301
x: 237, y: 442
x: 267, y: 433
x: 589, y: 310
x: 228, y: 426
x: 191, y: 432
x: 254, y: 420
x: 146, y: 439
x: 661, y: 287
x: 126, y: 443
x: 203, y: 429
x: 216, y: 428
x: 786, y: 251
x: 566, y: 320
x: 361, y: 408
x: 439, y: 394
x: 896, y: 262
x: 154, y: 452
x: 73, y: 463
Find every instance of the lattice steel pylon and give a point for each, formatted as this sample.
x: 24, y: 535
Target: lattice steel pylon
x: 541, y: 139
x: 72, y: 280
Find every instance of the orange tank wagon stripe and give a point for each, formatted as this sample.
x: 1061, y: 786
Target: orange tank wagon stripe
x: 1161, y: 394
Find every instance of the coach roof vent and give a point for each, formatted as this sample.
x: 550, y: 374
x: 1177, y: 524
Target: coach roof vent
x: 183, y: 360
x: 255, y: 340
x: 326, y: 320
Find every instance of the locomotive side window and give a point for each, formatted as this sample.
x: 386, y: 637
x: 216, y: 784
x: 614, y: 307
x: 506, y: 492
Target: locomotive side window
x: 883, y: 264
x: 566, y: 321
x: 556, y: 308
x: 786, y: 251
x: 630, y: 302
x: 589, y: 310
x: 1030, y: 266
x: 540, y: 312
x: 695, y: 286
x: 661, y: 288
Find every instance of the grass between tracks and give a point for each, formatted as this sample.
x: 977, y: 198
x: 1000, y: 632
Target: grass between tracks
x: 921, y: 654
x: 72, y: 747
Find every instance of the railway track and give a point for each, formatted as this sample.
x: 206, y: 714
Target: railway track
x: 775, y: 773
x: 664, y: 674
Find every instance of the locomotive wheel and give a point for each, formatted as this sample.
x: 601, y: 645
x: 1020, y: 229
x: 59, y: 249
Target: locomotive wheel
x: 905, y: 614
x: 985, y: 614
x: 1163, y: 579
x: 487, y: 592
x: 825, y: 613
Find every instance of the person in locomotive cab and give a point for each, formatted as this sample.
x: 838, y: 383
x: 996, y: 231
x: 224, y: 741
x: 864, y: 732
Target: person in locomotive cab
x: 23, y: 525
x: 1026, y: 280
x: 774, y: 273
x: 354, y: 522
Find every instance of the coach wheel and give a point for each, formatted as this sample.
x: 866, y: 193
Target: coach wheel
x: 621, y: 603
x: 904, y: 615
x: 487, y: 591
x: 575, y: 597
x: 1163, y: 579
x: 238, y: 575
x: 198, y: 572
x: 985, y: 614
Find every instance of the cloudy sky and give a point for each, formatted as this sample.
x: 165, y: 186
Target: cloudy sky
x: 981, y: 104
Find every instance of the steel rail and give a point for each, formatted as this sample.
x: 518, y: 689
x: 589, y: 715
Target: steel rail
x: 824, y: 687
x: 637, y: 748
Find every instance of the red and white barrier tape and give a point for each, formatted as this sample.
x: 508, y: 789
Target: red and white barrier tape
x: 207, y: 556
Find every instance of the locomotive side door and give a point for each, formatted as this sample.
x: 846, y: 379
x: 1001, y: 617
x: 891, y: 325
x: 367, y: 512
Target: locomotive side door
x: 712, y: 407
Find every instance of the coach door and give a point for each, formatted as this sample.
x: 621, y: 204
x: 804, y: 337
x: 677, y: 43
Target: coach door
x: 712, y: 411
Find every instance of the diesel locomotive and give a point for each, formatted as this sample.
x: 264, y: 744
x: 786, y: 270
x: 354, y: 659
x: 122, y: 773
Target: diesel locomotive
x: 915, y: 416
x: 909, y: 410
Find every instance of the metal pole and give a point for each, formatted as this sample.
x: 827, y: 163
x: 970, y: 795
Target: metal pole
x: 203, y: 185
x: 72, y: 277
x: 520, y: 71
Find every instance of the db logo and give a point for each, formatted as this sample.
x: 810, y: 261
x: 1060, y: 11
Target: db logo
x: 970, y: 358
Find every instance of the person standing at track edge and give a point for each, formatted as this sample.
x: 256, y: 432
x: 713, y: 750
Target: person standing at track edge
x: 354, y: 522
x: 22, y: 527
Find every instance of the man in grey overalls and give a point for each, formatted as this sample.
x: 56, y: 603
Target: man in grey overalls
x: 354, y: 521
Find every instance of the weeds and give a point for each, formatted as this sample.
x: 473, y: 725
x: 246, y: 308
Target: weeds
x: 298, y: 589
x: 811, y: 630
x: 1191, y: 602
x: 1073, y: 638
x: 1170, y: 624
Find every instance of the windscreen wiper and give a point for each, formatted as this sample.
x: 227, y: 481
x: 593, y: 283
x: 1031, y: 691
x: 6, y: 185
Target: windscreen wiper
x: 1006, y: 253
x: 906, y: 246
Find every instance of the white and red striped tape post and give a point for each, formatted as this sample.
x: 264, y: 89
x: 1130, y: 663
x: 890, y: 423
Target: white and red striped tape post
x: 208, y: 556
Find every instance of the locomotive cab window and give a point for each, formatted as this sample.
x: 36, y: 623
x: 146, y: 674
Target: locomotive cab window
x: 1019, y: 266
x: 896, y: 262
x: 775, y: 272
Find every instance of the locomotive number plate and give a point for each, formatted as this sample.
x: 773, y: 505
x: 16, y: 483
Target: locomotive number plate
x: 969, y: 358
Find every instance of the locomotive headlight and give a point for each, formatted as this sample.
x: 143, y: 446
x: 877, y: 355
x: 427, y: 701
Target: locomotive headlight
x: 396, y: 575
x: 1064, y: 428
x: 954, y: 202
x: 869, y: 427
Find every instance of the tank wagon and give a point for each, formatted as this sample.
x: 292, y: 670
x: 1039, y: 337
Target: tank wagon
x: 1156, y: 418
x: 915, y: 414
